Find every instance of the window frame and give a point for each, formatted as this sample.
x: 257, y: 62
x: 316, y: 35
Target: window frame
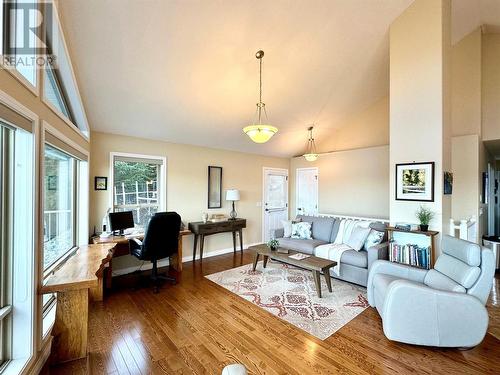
x: 74, y: 203
x: 6, y: 138
x: 6, y: 33
x: 162, y: 178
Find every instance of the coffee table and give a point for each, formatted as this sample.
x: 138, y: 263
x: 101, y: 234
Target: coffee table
x: 312, y: 263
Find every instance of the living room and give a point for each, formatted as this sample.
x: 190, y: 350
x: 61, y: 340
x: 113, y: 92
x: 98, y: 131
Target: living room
x: 155, y: 220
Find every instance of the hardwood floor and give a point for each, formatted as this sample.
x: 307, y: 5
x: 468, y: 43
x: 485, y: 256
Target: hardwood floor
x: 197, y: 327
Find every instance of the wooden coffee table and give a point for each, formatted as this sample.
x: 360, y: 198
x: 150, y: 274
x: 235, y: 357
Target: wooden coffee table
x: 312, y: 263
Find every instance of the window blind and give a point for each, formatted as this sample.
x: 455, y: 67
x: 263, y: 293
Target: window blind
x: 132, y: 159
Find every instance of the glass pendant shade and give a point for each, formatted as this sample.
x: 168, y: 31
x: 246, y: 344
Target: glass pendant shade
x: 311, y: 154
x: 257, y: 131
x: 260, y: 133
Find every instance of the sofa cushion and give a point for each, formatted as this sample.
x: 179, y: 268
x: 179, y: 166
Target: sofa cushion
x: 374, y: 238
x: 303, y: 246
x: 321, y: 226
x: 355, y: 258
x: 351, y: 257
x: 301, y: 230
x: 437, y: 280
x: 358, y: 237
x: 457, y: 270
x: 335, y: 230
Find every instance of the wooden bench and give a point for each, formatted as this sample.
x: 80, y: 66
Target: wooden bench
x: 78, y: 278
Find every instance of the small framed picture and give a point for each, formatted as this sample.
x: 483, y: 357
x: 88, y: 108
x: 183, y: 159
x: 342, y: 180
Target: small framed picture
x: 100, y: 183
x: 448, y: 183
x: 415, y: 182
x: 51, y: 182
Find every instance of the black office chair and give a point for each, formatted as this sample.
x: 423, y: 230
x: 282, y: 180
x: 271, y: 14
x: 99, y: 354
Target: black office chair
x: 160, y: 241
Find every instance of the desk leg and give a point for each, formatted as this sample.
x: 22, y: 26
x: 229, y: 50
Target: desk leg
x: 71, y: 326
x: 176, y: 259
x: 234, y: 241
x: 202, y: 242
x: 195, y: 245
x: 97, y: 294
x: 241, y: 240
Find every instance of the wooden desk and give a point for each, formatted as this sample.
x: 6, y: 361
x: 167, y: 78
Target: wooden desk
x: 201, y: 229
x: 122, y: 248
x: 79, y: 276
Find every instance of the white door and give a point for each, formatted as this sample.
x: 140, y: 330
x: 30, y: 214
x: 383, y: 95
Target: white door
x: 275, y: 205
x: 307, y: 191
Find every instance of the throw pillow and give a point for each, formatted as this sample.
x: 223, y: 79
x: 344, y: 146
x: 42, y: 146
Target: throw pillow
x: 374, y: 238
x: 358, y: 237
x: 301, y: 230
x: 287, y: 228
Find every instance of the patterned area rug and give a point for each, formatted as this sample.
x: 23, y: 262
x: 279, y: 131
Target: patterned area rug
x: 290, y: 294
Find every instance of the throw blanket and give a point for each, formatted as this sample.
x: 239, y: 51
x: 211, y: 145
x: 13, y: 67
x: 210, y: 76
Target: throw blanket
x: 332, y: 251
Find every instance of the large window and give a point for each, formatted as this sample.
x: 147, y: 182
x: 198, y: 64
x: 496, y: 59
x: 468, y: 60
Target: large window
x: 137, y: 187
x: 55, y: 94
x: 59, y: 215
x: 19, y: 16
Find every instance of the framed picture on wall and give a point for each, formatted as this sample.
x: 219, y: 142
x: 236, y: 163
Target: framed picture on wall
x: 100, y: 183
x: 415, y: 182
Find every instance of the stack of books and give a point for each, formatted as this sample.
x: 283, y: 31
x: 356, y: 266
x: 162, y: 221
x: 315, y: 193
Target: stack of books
x: 412, y: 255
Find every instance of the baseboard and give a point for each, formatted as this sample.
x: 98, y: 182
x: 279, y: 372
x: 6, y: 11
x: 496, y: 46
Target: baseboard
x: 188, y: 258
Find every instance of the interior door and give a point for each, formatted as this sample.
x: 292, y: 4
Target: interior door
x: 307, y: 191
x: 275, y: 194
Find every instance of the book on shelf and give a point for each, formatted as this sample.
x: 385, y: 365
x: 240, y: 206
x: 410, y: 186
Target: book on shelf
x: 410, y: 254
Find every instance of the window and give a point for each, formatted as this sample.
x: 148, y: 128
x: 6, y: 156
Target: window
x: 59, y: 214
x: 5, y: 246
x: 14, y: 36
x: 137, y: 187
x: 17, y: 293
x: 54, y: 93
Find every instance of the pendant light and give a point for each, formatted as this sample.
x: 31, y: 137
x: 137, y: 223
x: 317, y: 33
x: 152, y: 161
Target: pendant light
x: 257, y: 131
x: 311, y: 154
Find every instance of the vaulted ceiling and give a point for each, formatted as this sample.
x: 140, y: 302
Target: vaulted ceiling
x: 185, y: 71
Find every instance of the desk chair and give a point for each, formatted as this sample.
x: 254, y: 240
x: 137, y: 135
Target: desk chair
x: 160, y: 241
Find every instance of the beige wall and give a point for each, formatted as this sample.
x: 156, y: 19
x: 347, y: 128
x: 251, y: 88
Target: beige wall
x: 466, y: 85
x: 187, y: 184
x: 419, y: 101
x: 465, y: 164
x: 354, y: 182
x: 365, y: 129
x: 491, y: 86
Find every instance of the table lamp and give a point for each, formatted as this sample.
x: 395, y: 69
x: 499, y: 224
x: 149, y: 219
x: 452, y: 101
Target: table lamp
x: 233, y: 195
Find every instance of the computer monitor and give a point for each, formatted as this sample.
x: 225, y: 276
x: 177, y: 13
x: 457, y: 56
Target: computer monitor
x: 118, y: 221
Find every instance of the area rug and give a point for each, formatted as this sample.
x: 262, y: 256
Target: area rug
x: 290, y: 294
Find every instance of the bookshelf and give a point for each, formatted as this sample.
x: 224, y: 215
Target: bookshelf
x: 413, y: 248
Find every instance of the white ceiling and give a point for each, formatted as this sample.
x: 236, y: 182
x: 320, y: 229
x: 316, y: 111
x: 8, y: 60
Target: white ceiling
x: 186, y: 72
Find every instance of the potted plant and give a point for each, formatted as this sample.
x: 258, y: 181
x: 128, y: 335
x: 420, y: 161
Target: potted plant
x: 424, y: 215
x: 273, y: 244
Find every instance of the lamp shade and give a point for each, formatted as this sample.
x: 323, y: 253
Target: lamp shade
x: 260, y: 133
x: 232, y: 195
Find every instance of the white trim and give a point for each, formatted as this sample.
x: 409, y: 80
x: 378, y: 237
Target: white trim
x: 43, y: 356
x: 162, y: 204
x: 360, y: 218
x: 263, y: 206
x: 297, y: 186
x: 185, y: 259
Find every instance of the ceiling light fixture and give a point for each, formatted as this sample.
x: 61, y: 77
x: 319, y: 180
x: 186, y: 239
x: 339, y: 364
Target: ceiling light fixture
x: 311, y: 154
x: 259, y: 132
